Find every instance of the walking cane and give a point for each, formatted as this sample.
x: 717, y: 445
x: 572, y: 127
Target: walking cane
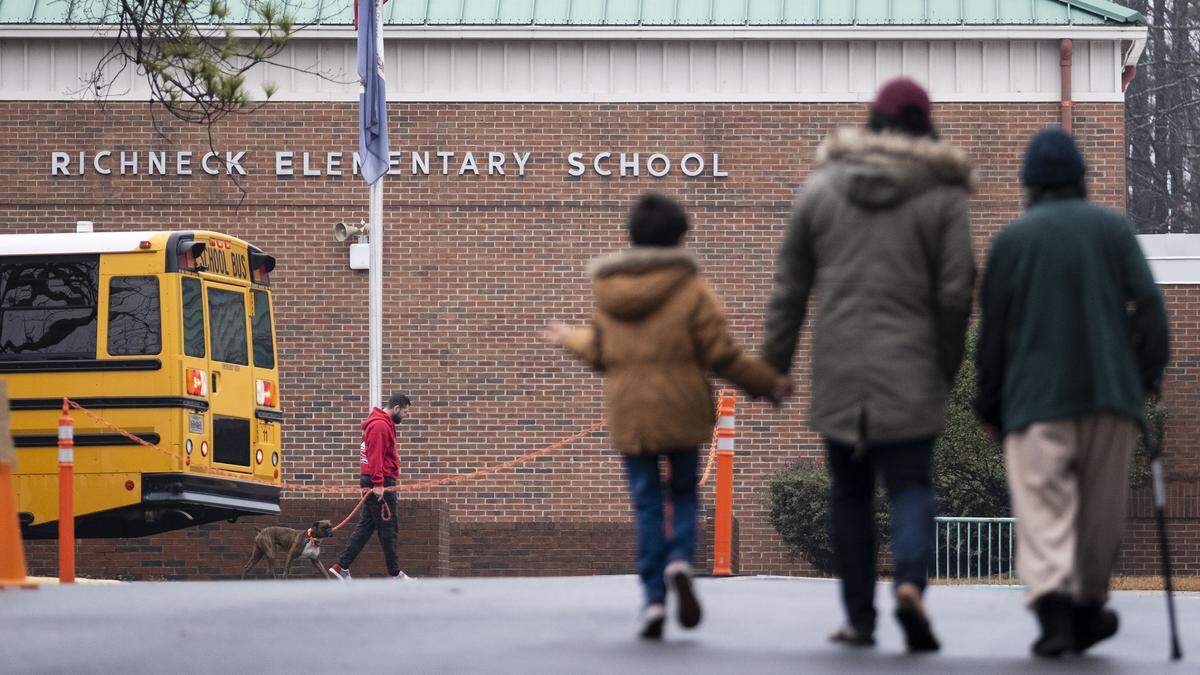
x: 1153, y: 443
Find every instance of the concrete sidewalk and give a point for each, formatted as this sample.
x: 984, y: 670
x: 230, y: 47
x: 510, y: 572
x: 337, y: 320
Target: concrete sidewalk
x: 556, y: 625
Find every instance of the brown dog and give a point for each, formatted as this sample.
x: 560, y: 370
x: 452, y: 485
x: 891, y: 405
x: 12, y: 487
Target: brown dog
x: 287, y: 545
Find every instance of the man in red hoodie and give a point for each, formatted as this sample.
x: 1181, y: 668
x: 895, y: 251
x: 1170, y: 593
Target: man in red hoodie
x: 380, y: 467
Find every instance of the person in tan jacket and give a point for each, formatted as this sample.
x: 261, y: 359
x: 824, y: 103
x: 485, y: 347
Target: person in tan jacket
x: 656, y: 332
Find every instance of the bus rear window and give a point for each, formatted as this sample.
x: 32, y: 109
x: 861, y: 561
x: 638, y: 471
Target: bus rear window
x: 48, y: 307
x: 264, y: 344
x: 133, y: 316
x: 227, y: 326
x: 193, y: 318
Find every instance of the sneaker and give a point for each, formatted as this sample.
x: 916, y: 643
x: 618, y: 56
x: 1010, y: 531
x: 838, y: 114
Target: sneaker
x: 1056, y: 614
x: 910, y: 612
x: 680, y: 575
x: 652, y: 621
x: 339, y: 573
x: 852, y: 637
x: 401, y: 577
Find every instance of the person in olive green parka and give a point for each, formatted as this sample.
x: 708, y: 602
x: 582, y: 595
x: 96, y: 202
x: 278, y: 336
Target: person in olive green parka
x: 880, y: 237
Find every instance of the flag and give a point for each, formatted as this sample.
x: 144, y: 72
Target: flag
x: 372, y: 98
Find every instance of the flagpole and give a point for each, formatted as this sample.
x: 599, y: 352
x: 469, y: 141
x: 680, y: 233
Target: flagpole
x: 375, y: 293
x: 372, y: 142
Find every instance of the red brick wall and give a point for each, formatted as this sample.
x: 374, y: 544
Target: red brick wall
x: 561, y: 548
x: 476, y: 266
x: 1140, y: 555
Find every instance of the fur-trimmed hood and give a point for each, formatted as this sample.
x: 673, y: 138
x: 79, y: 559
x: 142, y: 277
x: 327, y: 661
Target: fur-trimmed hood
x: 633, y: 283
x: 880, y: 170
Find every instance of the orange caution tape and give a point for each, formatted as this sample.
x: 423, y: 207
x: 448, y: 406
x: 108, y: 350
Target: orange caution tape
x: 405, y: 487
x: 299, y: 487
x: 712, y: 456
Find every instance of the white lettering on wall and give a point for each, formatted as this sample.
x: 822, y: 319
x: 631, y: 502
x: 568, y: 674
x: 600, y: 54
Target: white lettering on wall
x: 666, y: 165
x: 576, y: 162
x: 59, y: 162
x: 600, y: 171
x: 96, y: 161
x: 129, y: 162
x: 157, y: 163
x: 521, y: 159
x: 495, y: 163
x: 307, y: 170
x: 333, y: 163
x: 283, y: 163
x: 420, y: 162
x: 234, y: 163
x: 632, y: 164
x: 468, y: 164
x: 210, y: 170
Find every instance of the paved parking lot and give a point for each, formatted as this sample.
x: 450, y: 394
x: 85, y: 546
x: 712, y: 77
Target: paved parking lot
x: 559, y: 625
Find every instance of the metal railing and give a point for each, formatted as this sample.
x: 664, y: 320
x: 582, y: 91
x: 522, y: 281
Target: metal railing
x: 975, y: 550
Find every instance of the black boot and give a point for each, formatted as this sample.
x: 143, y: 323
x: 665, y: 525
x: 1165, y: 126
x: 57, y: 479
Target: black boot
x: 1055, y: 612
x: 1093, y: 623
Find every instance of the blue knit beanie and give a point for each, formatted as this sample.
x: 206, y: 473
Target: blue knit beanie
x: 1052, y: 160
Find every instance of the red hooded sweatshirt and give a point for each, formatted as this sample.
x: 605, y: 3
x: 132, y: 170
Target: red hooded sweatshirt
x: 377, y: 454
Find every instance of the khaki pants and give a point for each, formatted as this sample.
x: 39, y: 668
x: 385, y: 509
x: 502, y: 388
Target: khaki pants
x: 1069, y: 482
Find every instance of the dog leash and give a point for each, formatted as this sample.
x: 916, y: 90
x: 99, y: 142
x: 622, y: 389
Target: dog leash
x: 385, y: 511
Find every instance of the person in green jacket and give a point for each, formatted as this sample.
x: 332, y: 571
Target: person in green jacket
x: 1073, y: 337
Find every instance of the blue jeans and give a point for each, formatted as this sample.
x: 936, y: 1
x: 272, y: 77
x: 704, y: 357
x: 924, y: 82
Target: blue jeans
x: 905, y: 468
x: 654, y: 550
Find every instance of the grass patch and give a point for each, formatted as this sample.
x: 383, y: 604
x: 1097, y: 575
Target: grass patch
x: 1191, y: 584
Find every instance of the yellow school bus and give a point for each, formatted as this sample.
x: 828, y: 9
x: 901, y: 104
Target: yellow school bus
x: 167, y: 335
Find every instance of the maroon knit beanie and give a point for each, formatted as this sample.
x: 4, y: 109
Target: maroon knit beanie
x: 902, y: 97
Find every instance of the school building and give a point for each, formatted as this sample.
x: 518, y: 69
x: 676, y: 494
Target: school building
x: 521, y: 131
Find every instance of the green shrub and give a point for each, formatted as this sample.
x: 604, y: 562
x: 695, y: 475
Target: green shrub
x: 799, y: 501
x: 968, y: 464
x: 800, y: 512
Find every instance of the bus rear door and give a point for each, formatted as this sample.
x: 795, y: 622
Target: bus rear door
x: 231, y: 379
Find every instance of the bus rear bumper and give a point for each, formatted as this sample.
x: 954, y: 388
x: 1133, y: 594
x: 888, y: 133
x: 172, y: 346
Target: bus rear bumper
x: 209, y: 492
x: 171, y: 501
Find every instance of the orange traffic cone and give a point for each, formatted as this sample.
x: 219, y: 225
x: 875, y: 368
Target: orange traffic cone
x: 12, y: 552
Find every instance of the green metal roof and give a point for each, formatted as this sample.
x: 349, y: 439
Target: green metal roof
x: 635, y: 12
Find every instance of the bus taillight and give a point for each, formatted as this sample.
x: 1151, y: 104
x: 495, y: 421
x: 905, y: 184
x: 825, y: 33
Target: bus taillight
x: 266, y: 393
x: 197, y: 383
